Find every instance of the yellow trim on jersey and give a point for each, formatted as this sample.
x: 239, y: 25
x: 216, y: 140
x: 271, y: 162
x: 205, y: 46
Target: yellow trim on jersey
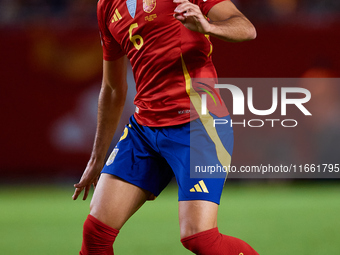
x: 186, y: 77
x: 211, y: 50
x: 211, y: 47
x: 207, y: 120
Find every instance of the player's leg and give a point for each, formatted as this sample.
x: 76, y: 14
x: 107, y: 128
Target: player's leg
x: 203, y: 216
x: 199, y: 232
x: 195, y: 148
x: 133, y: 174
x: 114, y: 202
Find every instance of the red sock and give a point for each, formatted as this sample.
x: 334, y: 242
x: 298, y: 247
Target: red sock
x: 98, y: 237
x: 211, y: 242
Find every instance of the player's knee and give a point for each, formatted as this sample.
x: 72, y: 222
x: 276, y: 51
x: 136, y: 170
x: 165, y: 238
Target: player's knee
x: 97, y: 237
x: 188, y: 231
x: 96, y: 209
x: 201, y: 242
x: 193, y: 246
x: 213, y: 242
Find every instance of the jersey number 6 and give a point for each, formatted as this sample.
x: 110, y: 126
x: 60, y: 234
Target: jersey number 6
x: 137, y: 40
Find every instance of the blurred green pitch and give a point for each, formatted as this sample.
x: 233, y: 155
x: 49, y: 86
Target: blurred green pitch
x: 274, y: 219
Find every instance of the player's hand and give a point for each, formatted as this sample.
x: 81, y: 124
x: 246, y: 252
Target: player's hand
x: 191, y: 16
x: 89, y: 177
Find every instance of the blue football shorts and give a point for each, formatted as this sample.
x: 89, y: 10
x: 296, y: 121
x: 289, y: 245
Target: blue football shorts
x: 195, y: 153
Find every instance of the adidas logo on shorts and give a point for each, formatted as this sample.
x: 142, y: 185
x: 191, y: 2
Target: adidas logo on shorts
x: 200, y: 187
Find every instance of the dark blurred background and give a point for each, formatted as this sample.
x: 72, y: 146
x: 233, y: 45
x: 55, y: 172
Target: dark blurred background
x: 50, y: 76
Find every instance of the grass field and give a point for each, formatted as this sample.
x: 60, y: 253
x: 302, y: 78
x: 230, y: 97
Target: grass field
x: 275, y: 219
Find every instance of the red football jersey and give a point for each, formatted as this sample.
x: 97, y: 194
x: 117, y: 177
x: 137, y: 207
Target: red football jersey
x: 163, y: 54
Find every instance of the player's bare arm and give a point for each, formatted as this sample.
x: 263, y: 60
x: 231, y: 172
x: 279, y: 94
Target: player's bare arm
x: 225, y: 22
x: 110, y: 107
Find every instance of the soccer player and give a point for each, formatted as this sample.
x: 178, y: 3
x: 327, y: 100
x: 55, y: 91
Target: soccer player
x: 168, y: 44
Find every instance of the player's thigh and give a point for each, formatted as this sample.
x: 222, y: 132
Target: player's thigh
x: 196, y: 216
x: 115, y: 200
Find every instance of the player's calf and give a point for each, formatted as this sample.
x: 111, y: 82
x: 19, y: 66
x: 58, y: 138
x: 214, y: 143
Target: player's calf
x: 211, y: 242
x: 98, y: 237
